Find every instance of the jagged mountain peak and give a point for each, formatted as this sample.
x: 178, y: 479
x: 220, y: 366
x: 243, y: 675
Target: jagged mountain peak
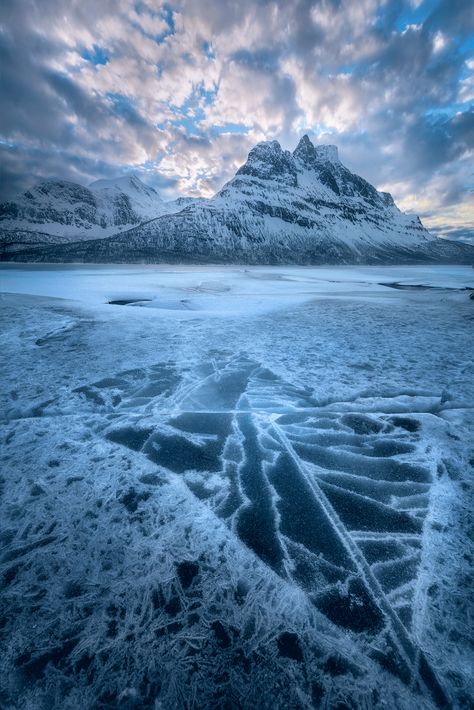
x: 305, y: 151
x: 272, y: 146
x: 305, y: 141
x: 308, y: 154
x: 316, y: 169
x: 266, y: 150
x: 267, y: 160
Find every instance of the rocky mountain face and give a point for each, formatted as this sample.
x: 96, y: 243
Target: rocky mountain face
x: 59, y: 211
x: 303, y: 207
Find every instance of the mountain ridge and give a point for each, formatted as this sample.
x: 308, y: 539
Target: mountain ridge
x: 57, y: 210
x: 300, y: 207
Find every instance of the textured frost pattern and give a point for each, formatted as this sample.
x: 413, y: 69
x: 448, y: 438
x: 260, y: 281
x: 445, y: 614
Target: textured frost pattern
x: 332, y: 502
x: 189, y: 523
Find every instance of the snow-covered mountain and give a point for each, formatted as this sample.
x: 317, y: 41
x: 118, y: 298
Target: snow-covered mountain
x: 145, y: 202
x: 58, y: 211
x: 303, y: 207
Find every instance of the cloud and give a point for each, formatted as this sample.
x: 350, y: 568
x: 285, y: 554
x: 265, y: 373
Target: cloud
x: 180, y: 91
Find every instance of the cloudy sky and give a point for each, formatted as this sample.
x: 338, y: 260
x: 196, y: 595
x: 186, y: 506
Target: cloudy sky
x: 178, y: 93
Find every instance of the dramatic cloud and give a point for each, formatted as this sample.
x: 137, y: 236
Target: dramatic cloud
x: 178, y: 92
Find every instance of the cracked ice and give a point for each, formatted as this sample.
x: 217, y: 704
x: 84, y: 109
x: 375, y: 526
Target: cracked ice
x: 229, y: 488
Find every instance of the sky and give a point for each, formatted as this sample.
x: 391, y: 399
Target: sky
x: 178, y: 92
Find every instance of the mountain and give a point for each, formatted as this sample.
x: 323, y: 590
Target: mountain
x: 144, y: 201
x: 58, y: 211
x: 303, y: 207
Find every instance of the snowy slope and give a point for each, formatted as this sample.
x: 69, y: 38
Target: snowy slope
x: 303, y: 207
x: 58, y: 211
x: 145, y: 201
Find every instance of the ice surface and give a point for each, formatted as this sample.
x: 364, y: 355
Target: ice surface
x: 223, y: 290
x: 238, y: 488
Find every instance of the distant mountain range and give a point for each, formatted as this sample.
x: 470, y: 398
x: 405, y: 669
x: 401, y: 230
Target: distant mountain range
x: 303, y: 207
x: 60, y: 211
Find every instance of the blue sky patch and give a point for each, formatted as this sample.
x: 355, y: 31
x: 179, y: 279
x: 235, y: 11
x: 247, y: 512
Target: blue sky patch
x: 96, y: 55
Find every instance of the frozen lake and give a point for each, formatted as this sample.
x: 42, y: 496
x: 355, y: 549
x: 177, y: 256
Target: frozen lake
x: 235, y: 487
x: 226, y: 290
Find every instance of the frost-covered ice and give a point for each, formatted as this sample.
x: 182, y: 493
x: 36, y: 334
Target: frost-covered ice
x: 243, y: 487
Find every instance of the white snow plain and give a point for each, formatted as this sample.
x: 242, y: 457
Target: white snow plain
x: 237, y: 487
